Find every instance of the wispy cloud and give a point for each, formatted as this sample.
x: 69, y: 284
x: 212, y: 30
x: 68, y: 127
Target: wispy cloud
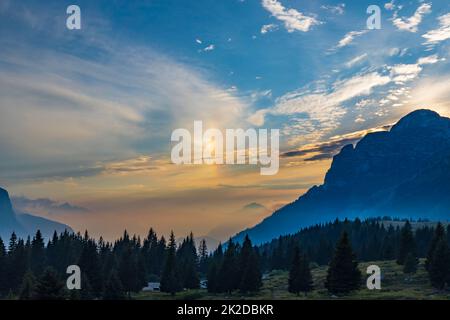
x: 320, y: 111
x: 337, y: 9
x: 268, y: 28
x: 211, y: 47
x: 329, y: 148
x: 440, y: 34
x: 356, y: 60
x: 292, y: 19
x: 411, y: 23
x: 349, y: 37
x: 25, y: 205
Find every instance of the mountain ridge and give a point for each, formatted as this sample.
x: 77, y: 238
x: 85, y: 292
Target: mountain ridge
x: 402, y: 172
x: 24, y: 224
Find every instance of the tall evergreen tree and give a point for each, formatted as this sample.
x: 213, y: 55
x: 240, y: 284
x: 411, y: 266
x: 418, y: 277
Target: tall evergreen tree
x: 439, y: 267
x: 170, y: 281
x: 343, y: 274
x: 407, y: 243
x: 300, y: 278
x: 113, y: 288
x: 411, y: 263
x: 49, y: 287
x: 439, y: 234
x: 250, y: 280
x: 28, y: 287
x: 203, y: 257
x: 3, y: 269
x: 37, y: 255
x: 229, y: 276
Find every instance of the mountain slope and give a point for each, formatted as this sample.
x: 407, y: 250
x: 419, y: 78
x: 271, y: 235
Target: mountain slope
x: 24, y: 224
x: 404, y: 172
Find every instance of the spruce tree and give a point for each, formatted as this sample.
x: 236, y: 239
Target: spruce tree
x: 38, y: 256
x: 203, y: 257
x: 250, y: 280
x: 49, y: 287
x: 170, y: 281
x: 3, y: 269
x: 28, y: 287
x: 343, y: 274
x: 300, y: 278
x: 407, y: 243
x: 113, y: 288
x: 439, y: 234
x: 411, y: 263
x: 440, y: 265
x: 229, y: 275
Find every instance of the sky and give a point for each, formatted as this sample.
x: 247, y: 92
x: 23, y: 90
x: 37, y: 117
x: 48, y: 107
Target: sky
x: 86, y: 115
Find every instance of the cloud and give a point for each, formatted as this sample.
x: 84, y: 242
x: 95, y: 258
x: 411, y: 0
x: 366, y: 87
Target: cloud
x: 268, y: 28
x: 389, y: 5
x: 356, y: 60
x: 319, y: 112
x: 293, y: 20
x: 402, y: 73
x: 211, y: 47
x: 411, y: 24
x: 349, y: 37
x: 25, y: 205
x: 328, y: 149
x: 139, y: 165
x: 440, y: 34
x: 337, y: 9
x: 68, y: 113
x: 254, y: 206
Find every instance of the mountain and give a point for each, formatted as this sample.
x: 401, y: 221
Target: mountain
x: 24, y: 224
x: 404, y: 172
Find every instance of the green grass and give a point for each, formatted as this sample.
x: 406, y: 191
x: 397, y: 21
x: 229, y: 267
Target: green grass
x: 395, y: 285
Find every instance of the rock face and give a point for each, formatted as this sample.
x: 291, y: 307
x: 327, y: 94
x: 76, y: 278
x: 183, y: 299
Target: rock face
x: 24, y: 224
x: 404, y: 172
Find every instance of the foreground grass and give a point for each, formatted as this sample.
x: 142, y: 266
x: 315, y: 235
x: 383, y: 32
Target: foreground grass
x: 395, y: 285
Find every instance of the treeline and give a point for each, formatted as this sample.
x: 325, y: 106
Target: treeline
x: 372, y: 239
x: 31, y: 269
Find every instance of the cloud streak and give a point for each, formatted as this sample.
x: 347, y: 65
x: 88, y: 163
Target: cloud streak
x: 292, y: 19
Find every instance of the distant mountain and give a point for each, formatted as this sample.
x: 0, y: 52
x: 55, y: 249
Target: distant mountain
x: 404, y: 172
x: 24, y: 224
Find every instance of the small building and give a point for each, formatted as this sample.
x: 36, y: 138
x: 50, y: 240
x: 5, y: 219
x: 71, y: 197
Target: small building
x: 152, y: 286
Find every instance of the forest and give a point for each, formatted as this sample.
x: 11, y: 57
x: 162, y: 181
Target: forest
x: 35, y: 269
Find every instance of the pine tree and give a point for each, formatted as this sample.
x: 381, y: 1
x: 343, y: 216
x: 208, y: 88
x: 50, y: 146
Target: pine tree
x: 113, y: 288
x: 411, y: 263
x: 300, y: 278
x: 203, y: 257
x: 49, y: 287
x: 407, y: 243
x: 249, y: 268
x: 28, y: 287
x: 3, y: 269
x: 213, y: 270
x: 440, y: 265
x: 439, y: 234
x: 37, y: 254
x: 343, y: 274
x: 170, y: 281
x: 228, y: 276
x: 90, y: 265
x: 128, y: 270
x: 188, y: 259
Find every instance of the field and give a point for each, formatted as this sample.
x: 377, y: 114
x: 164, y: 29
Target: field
x: 394, y: 285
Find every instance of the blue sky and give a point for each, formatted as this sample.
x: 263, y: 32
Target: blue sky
x: 86, y: 111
